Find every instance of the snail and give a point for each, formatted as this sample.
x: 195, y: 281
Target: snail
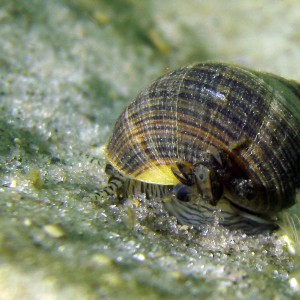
x: 210, y: 139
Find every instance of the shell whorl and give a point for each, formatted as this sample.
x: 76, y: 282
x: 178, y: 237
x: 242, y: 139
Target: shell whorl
x: 214, y: 106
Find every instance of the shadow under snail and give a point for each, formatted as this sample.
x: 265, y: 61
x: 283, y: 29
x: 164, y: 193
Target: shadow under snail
x: 210, y: 138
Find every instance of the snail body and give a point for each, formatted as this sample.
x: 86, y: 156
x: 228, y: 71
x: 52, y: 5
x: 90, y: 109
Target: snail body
x: 207, y: 134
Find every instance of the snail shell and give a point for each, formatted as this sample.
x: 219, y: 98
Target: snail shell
x: 217, y: 130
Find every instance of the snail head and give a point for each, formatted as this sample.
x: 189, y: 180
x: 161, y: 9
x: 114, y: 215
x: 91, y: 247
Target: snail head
x: 206, y: 177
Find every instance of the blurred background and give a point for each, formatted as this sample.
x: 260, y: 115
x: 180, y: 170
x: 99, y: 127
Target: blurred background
x: 67, y: 69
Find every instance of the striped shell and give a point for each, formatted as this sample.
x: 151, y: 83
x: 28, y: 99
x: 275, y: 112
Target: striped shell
x: 248, y: 121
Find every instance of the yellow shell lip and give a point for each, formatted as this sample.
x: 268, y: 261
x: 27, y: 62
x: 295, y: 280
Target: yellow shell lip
x: 162, y: 175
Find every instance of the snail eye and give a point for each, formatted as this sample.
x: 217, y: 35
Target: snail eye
x: 182, y: 193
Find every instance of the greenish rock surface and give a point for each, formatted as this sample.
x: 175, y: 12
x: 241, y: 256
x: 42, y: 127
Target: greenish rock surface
x: 67, y: 68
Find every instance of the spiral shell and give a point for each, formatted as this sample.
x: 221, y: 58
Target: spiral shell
x: 224, y: 131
